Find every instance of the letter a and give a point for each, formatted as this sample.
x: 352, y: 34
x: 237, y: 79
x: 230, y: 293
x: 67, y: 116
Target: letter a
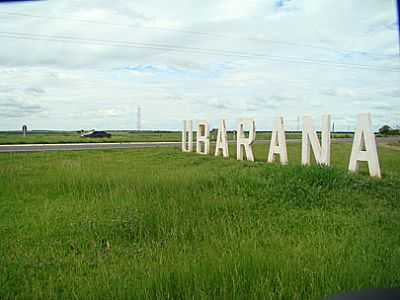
x: 278, y: 143
x: 222, y: 140
x: 322, y: 153
x: 187, y: 136
x: 245, y: 142
x: 364, y: 147
x: 203, y: 138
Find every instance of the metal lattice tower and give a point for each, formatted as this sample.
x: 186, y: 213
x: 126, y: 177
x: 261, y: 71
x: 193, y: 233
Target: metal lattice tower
x: 139, y: 119
x: 298, y: 123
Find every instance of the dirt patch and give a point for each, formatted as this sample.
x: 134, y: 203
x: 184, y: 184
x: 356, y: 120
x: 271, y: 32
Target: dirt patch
x: 393, y: 146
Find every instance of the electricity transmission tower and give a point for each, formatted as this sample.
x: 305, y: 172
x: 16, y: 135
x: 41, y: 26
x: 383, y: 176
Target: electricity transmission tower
x: 298, y: 123
x: 139, y: 119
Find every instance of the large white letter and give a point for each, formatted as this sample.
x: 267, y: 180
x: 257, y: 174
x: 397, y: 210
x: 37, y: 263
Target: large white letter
x: 322, y: 153
x: 187, y: 136
x: 278, y: 143
x: 222, y: 140
x: 245, y: 142
x: 203, y: 138
x: 364, y: 147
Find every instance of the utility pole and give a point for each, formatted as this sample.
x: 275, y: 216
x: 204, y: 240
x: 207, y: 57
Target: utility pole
x: 298, y: 123
x: 139, y: 119
x: 398, y: 19
x: 24, y: 130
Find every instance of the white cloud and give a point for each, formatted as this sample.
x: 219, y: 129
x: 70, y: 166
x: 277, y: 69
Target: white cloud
x: 17, y: 109
x: 81, y: 85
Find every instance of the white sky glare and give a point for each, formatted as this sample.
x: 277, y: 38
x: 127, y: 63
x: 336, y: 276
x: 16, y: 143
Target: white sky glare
x: 71, y: 65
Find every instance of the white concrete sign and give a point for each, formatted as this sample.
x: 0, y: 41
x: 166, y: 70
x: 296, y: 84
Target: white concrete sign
x: 322, y: 153
x: 187, y: 136
x: 203, y: 138
x: 364, y: 147
x: 278, y: 143
x: 243, y: 142
x: 364, y: 144
x: 222, y: 140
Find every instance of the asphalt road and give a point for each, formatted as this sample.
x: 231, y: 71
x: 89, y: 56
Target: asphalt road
x: 105, y: 146
x: 84, y: 146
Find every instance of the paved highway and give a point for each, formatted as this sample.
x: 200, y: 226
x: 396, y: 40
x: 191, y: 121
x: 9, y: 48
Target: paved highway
x: 83, y: 146
x: 105, y: 146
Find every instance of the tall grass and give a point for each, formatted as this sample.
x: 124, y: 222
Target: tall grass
x: 160, y: 224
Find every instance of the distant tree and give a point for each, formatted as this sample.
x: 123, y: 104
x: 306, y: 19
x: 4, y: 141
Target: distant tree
x: 385, y: 130
x: 213, y: 134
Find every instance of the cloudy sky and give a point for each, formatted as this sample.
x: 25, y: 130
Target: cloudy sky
x: 89, y: 64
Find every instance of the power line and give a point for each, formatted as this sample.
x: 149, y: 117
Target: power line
x: 303, y: 85
x: 198, y: 33
x: 175, y: 48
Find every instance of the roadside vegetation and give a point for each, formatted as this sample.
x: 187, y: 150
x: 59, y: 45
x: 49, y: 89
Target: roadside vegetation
x: 7, y: 138
x: 386, y: 130
x: 74, y: 137
x: 161, y: 224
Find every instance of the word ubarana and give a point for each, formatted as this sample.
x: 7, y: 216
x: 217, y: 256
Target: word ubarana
x: 364, y: 144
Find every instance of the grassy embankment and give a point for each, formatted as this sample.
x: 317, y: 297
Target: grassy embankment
x: 160, y: 224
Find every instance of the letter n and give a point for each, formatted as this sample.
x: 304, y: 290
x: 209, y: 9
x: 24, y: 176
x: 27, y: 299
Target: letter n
x: 322, y: 153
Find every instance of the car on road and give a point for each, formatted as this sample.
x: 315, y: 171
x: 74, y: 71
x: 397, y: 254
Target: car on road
x: 96, y: 134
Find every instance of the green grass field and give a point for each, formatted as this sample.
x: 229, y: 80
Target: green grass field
x: 161, y: 224
x: 73, y: 137
x: 117, y: 137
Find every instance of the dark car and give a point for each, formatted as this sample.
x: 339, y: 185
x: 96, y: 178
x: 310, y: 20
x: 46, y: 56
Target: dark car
x: 96, y: 134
